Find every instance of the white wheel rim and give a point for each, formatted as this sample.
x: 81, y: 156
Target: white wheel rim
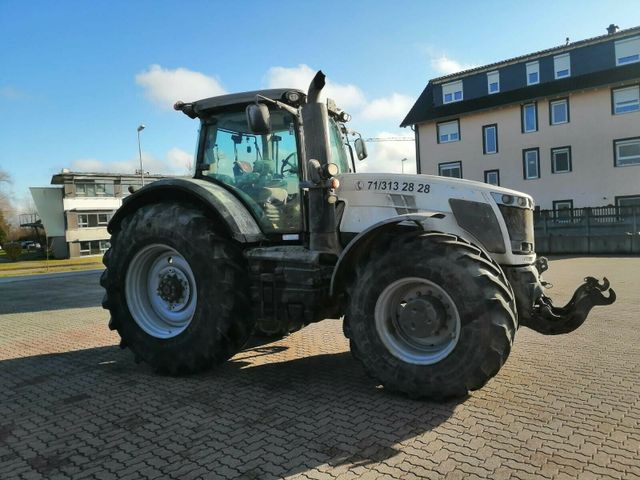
x: 161, y: 291
x: 426, y: 333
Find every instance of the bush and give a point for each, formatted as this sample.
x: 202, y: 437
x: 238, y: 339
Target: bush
x: 13, y: 250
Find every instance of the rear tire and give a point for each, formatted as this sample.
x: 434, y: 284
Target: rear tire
x: 176, y: 291
x: 431, y: 315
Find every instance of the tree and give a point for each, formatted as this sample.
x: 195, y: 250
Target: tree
x: 5, y: 208
x: 4, y: 229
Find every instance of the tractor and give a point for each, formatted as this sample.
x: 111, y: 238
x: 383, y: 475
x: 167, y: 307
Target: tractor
x: 431, y: 275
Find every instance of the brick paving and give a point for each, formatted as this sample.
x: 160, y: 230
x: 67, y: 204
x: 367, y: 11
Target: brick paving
x: 73, y: 405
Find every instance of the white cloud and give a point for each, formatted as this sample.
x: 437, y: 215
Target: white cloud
x: 11, y: 93
x: 179, y: 159
x: 88, y: 165
x: 346, y: 95
x: 164, y: 86
x: 393, y: 107
x: 386, y: 156
x: 175, y: 162
x: 445, y: 65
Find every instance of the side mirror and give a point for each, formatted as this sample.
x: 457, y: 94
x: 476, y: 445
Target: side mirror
x: 361, y: 149
x: 258, y: 118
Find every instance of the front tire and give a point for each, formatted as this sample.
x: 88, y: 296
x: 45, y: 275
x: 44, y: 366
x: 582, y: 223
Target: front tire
x: 431, y: 315
x: 177, y: 292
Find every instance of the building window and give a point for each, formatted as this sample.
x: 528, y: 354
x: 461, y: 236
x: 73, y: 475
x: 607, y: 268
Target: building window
x: 492, y: 177
x: 94, y: 247
x: 561, y: 160
x: 531, y: 163
x: 562, y: 66
x: 449, y: 132
x: 533, y: 73
x: 450, y: 169
x: 559, y: 111
x: 91, y: 189
x: 529, y: 118
x: 86, y: 220
x: 628, y: 51
x: 452, y: 92
x: 628, y: 201
x: 625, y: 100
x: 490, y: 139
x: 493, y: 82
x: 562, y: 210
x: 626, y: 152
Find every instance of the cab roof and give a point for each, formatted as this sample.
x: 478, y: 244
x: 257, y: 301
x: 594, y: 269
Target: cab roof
x: 200, y: 107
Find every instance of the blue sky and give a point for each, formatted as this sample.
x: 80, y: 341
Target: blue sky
x: 78, y: 77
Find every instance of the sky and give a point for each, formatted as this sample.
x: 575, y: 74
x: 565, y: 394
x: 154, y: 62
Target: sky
x: 78, y: 77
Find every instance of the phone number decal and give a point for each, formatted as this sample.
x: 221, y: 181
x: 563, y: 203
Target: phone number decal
x: 393, y: 186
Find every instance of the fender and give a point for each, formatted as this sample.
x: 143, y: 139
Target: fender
x: 225, y: 207
x: 426, y: 221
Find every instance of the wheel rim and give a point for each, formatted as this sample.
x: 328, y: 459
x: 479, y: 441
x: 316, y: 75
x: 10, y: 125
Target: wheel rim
x: 417, y: 321
x: 161, y: 291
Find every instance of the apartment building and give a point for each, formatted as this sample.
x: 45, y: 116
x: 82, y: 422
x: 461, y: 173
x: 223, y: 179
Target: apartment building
x: 76, y: 209
x: 561, y: 124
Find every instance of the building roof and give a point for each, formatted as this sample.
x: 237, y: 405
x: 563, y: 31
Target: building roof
x: 69, y: 175
x: 427, y: 108
x: 541, y: 53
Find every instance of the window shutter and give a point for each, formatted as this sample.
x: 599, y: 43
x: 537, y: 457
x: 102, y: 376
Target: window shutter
x: 629, y: 48
x: 562, y: 62
x: 626, y: 94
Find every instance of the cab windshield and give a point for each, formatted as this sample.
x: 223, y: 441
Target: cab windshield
x: 263, y: 169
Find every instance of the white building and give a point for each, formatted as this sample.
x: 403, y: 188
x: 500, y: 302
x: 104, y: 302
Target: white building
x: 76, y: 210
x: 562, y: 124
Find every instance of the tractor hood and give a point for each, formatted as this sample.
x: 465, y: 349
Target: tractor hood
x: 499, y: 219
x: 415, y: 193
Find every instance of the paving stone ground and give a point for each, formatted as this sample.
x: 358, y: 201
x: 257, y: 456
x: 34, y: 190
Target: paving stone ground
x: 73, y: 405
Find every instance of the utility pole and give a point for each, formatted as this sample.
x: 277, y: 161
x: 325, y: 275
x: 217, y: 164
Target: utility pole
x: 403, y: 160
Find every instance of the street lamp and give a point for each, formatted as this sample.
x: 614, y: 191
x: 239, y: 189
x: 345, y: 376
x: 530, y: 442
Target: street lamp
x: 140, y: 128
x: 403, y: 160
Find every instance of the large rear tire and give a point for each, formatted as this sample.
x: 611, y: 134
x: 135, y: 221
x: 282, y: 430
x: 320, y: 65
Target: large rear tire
x: 177, y: 292
x: 431, y: 315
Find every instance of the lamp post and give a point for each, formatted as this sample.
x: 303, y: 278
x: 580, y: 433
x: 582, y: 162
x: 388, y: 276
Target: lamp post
x: 140, y: 128
x: 403, y: 160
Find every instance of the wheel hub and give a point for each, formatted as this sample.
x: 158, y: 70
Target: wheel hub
x: 170, y: 289
x: 422, y: 317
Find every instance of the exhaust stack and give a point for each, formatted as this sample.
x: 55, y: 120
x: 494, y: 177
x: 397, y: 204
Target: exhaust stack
x: 323, y: 235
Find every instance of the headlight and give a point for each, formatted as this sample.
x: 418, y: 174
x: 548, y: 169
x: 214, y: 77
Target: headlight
x: 512, y: 200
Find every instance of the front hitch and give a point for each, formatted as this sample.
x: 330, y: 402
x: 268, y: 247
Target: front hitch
x: 549, y: 320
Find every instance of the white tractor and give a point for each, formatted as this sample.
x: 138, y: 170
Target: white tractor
x: 432, y: 275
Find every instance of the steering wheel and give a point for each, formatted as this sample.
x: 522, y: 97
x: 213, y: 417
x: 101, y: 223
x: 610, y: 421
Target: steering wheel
x: 289, y: 167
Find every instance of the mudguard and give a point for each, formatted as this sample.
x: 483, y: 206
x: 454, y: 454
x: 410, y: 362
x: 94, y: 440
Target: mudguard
x: 358, y: 244
x: 234, y: 217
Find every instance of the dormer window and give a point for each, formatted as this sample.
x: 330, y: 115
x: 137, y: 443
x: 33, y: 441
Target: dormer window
x: 628, y: 51
x: 562, y: 66
x: 533, y: 73
x: 493, y: 82
x: 452, y: 92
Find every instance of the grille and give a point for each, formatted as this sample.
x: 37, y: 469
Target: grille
x: 520, y: 227
x: 479, y: 220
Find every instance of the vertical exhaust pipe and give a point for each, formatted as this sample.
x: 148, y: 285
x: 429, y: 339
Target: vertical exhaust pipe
x: 323, y: 234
